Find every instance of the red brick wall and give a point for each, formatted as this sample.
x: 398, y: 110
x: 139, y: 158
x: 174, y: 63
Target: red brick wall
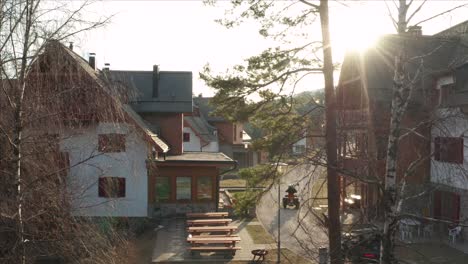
x: 171, y: 127
x: 226, y: 130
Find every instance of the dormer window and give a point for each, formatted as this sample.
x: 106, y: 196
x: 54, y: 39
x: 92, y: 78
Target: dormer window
x: 186, y: 137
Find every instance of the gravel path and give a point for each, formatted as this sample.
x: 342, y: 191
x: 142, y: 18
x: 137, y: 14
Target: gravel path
x: 299, y: 229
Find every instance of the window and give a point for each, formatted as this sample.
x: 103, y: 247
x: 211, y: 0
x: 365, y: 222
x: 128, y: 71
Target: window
x: 235, y: 132
x: 381, y: 142
x: 111, y: 187
x: 299, y: 149
x: 205, y: 188
x: 444, y: 93
x: 111, y: 143
x: 448, y: 149
x: 163, y: 189
x: 186, y: 137
x: 183, y: 188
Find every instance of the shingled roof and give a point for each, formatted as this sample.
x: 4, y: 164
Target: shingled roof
x: 95, y: 75
x: 206, y: 110
x: 174, y: 90
x: 202, y: 128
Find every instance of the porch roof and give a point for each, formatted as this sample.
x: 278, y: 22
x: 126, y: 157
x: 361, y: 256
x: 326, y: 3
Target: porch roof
x: 199, y: 157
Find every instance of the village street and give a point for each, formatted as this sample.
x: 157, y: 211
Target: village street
x: 299, y: 231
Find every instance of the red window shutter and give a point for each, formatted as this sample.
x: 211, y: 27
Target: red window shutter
x: 103, y: 141
x: 460, y: 147
x: 121, y: 192
x: 437, y: 204
x: 102, y: 185
x: 456, y: 208
x: 437, y: 148
x: 121, y: 140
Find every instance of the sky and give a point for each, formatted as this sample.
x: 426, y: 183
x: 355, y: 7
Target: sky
x: 182, y: 35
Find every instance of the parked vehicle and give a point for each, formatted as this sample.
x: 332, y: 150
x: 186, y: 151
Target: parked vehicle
x: 362, y: 245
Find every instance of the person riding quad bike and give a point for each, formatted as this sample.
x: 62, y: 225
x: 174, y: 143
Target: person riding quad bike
x: 291, y: 198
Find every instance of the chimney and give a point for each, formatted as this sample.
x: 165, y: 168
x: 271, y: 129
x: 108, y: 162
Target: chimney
x: 70, y: 46
x: 106, y: 67
x: 155, y: 80
x: 92, y: 60
x: 415, y: 31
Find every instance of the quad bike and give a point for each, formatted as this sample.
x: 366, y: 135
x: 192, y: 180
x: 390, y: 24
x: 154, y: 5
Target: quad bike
x: 290, y: 200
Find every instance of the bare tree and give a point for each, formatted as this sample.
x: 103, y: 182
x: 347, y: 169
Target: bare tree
x: 35, y: 109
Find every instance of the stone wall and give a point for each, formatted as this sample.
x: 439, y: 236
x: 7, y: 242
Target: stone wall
x: 166, y: 210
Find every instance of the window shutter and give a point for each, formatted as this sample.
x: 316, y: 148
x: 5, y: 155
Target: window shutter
x: 102, y: 187
x: 437, y: 148
x: 437, y: 205
x: 121, y: 192
x: 460, y: 150
x: 456, y: 208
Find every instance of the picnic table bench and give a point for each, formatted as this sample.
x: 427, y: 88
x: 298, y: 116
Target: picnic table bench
x: 211, y: 243
x: 229, y: 249
x: 210, y: 229
x: 207, y: 215
x: 209, y: 222
x: 214, y: 240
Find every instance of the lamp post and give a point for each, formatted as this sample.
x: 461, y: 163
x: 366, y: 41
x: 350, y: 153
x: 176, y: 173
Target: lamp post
x: 279, y: 220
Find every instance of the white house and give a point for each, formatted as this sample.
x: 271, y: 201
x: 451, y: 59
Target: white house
x: 106, y: 144
x: 198, y: 135
x: 108, y: 175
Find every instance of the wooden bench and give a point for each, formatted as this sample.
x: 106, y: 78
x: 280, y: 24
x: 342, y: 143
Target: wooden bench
x: 231, y: 250
x: 210, y: 229
x: 207, y: 215
x: 227, y: 240
x: 209, y: 222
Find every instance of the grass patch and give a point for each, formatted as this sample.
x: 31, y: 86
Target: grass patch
x: 259, y: 235
x: 232, y: 183
x: 287, y: 257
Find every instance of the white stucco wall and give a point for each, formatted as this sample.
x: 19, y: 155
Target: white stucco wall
x: 195, y: 143
x: 451, y: 123
x: 83, y: 178
x: 211, y: 147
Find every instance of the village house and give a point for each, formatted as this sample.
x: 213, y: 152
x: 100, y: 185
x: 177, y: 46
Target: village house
x: 103, y: 144
x: 186, y: 177
x: 121, y: 156
x: 364, y: 98
x: 232, y: 139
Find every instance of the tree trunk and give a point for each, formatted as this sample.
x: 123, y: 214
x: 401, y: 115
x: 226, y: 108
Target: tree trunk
x: 400, y: 99
x: 334, y: 227
x: 398, y: 108
x: 402, y: 12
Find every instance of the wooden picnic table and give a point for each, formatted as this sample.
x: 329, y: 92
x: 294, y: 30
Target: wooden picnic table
x: 209, y: 229
x: 208, y: 215
x: 227, y: 240
x: 209, y: 222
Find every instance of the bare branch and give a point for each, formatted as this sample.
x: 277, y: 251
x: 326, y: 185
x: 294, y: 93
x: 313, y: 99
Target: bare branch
x: 437, y: 15
x: 317, y: 7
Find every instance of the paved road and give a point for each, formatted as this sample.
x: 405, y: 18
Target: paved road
x: 299, y: 230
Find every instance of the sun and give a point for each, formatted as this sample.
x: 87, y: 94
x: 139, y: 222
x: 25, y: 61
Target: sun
x: 360, y: 29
